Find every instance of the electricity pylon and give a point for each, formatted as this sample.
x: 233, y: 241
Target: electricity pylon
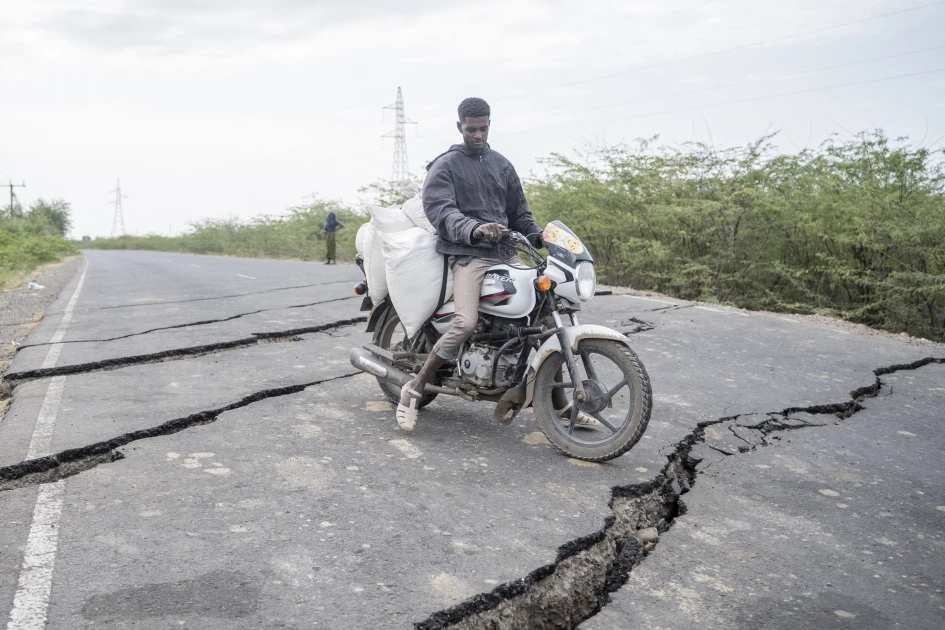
x: 118, y: 221
x: 400, y: 172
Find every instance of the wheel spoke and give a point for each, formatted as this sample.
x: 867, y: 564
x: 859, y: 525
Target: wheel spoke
x: 616, y: 388
x: 561, y: 385
x: 574, y: 415
x: 604, y: 422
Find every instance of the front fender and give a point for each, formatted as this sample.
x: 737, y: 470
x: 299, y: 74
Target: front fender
x: 575, y: 334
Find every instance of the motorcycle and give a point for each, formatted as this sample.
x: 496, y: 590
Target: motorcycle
x: 528, y: 349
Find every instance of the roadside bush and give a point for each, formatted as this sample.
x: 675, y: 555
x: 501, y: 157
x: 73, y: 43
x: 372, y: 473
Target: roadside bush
x: 32, y: 238
x: 853, y: 229
x: 295, y: 235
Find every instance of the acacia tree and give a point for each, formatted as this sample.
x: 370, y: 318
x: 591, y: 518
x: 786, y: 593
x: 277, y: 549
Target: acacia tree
x: 49, y: 217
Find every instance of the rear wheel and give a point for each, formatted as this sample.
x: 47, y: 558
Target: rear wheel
x: 390, y: 334
x: 618, y: 396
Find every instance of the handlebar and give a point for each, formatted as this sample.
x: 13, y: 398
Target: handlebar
x: 507, y: 235
x: 510, y: 238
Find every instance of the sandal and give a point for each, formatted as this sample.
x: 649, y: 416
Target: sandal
x: 407, y: 410
x: 582, y: 420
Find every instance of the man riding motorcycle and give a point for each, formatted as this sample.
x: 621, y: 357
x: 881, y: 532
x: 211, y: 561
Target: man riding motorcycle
x: 471, y: 193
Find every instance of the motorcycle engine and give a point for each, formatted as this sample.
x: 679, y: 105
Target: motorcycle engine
x: 475, y: 365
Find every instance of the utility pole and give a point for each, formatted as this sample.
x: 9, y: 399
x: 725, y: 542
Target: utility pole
x: 118, y: 221
x: 401, y: 168
x: 12, y: 195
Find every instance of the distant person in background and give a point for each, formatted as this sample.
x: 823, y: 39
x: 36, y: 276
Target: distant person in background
x: 331, y: 226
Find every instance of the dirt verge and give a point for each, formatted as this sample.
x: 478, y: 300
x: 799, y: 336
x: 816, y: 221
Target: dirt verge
x: 22, y: 308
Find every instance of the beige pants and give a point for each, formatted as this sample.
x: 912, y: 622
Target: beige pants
x: 467, y: 286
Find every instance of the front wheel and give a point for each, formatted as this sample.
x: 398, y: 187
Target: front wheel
x: 618, y: 396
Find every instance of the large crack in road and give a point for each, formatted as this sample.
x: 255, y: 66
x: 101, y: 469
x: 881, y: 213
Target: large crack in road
x: 205, y: 299
x: 14, y: 379
x: 67, y: 463
x: 672, y: 307
x: 562, y: 594
x: 576, y: 586
x: 191, y: 324
x: 635, y: 325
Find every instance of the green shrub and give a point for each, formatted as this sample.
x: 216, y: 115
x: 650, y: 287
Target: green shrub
x: 32, y: 238
x: 295, y: 235
x: 853, y: 229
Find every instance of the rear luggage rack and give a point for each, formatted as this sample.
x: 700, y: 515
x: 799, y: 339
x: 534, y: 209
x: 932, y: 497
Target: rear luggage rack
x: 386, y: 354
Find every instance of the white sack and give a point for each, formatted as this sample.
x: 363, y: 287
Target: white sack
x: 413, y: 208
x: 374, y: 265
x: 390, y: 220
x: 359, y: 239
x: 414, y: 275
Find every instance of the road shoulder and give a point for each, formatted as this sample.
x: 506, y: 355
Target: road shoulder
x: 23, y: 308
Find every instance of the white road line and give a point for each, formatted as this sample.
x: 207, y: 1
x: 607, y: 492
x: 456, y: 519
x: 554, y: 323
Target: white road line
x: 31, y: 602
x: 716, y: 310
x: 53, y: 355
x: 248, y: 277
x: 39, y: 560
x: 785, y: 319
x: 46, y: 422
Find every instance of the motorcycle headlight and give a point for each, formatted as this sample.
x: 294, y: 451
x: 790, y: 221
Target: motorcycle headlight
x: 586, y: 281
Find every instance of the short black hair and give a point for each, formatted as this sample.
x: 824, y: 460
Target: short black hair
x: 473, y: 108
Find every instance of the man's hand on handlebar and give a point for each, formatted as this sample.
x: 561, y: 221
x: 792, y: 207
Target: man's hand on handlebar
x: 491, y: 232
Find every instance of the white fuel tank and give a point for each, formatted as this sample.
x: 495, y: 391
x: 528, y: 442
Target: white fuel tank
x: 506, y: 292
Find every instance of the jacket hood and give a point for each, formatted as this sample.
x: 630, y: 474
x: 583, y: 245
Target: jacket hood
x: 462, y: 148
x: 458, y: 148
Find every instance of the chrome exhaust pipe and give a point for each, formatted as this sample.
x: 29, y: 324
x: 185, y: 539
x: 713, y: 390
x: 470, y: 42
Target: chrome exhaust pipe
x: 367, y: 362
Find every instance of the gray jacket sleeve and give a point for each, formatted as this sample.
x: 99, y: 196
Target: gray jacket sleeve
x: 516, y: 208
x: 439, y: 204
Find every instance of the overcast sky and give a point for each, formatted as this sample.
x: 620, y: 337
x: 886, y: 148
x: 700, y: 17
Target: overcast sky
x: 233, y: 107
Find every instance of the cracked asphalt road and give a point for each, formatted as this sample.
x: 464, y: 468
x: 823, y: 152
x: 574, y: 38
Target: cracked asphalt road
x: 310, y: 509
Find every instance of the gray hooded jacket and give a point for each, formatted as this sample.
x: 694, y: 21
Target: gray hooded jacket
x: 464, y: 189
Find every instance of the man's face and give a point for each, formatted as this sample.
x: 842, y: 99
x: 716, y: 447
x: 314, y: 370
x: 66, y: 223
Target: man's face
x: 475, y: 132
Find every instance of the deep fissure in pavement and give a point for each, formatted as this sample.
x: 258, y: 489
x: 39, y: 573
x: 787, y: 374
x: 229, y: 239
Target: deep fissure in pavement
x: 672, y: 307
x: 17, y: 378
x: 577, y: 585
x: 67, y: 463
x: 205, y: 299
x: 636, y: 325
x: 188, y: 325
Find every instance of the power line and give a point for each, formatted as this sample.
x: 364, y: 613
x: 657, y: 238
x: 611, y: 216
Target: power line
x: 733, y: 102
x: 765, y: 42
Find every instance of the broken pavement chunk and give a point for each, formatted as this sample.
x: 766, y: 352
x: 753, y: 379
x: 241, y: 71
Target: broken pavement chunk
x: 647, y: 535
